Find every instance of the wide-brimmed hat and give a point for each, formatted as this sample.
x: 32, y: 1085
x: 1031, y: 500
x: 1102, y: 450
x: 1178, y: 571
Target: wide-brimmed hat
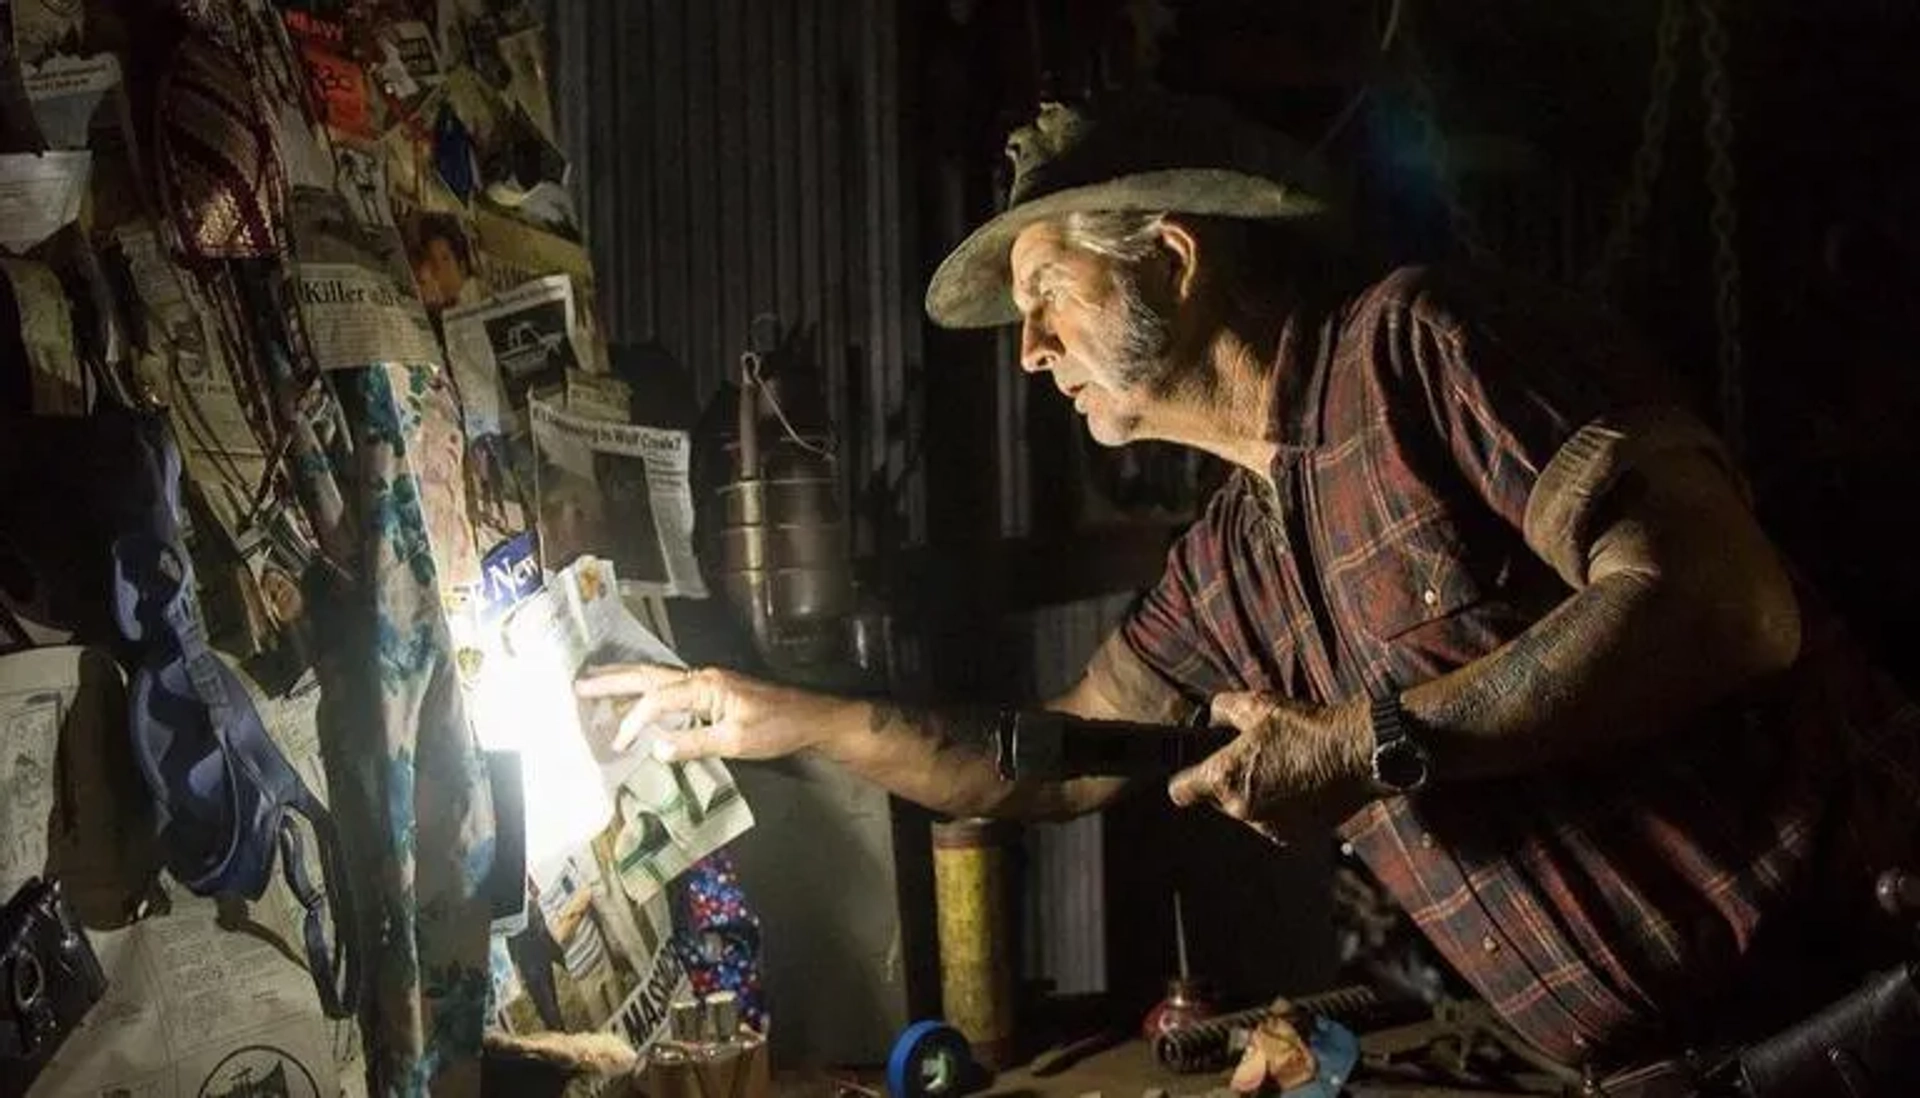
x: 1136, y: 152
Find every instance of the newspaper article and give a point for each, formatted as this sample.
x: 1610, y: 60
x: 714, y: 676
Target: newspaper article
x: 219, y: 446
x: 199, y: 1002
x: 354, y: 287
x: 57, y: 380
x: 357, y: 316
x: 575, y: 783
x: 65, y: 93
x: 39, y: 194
x: 520, y: 340
x: 619, y: 491
x: 605, y: 831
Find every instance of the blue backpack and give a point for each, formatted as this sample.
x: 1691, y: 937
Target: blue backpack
x: 225, y: 798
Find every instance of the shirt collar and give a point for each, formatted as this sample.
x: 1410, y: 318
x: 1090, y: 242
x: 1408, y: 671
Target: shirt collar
x: 1301, y: 364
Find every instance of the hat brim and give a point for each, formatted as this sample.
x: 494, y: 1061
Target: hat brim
x: 972, y: 287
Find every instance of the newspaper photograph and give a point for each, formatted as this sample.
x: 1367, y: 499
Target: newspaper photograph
x: 200, y: 1001
x: 590, y: 959
x: 43, y: 28
x: 517, y: 341
x: 409, y: 59
x: 576, y: 785
x: 362, y: 180
x: 618, y: 491
x: 441, y: 254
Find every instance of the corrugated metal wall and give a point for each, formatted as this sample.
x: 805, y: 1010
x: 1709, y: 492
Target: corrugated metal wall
x: 736, y: 158
x: 1066, y: 883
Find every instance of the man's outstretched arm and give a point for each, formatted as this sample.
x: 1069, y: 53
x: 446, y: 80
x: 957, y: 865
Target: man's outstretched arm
x: 940, y: 757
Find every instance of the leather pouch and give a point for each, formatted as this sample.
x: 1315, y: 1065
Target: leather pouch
x: 1866, y: 1045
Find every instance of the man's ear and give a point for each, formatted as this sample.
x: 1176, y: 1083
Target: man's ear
x: 1183, y: 251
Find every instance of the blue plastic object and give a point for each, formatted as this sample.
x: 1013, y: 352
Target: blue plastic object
x: 930, y: 1059
x: 1336, y: 1052
x: 225, y: 798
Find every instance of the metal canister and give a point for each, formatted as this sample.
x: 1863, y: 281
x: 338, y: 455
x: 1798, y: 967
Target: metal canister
x: 970, y: 873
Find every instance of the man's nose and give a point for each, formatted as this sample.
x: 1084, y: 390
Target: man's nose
x: 1039, y: 350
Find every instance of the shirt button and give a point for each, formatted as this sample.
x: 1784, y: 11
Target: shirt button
x: 1488, y: 945
x: 1426, y: 840
x: 1430, y: 597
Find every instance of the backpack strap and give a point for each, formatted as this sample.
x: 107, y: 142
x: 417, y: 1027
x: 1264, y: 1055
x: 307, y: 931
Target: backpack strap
x: 226, y: 797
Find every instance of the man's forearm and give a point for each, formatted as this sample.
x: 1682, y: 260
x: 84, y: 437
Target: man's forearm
x: 1631, y: 654
x: 943, y: 758
x: 1600, y: 664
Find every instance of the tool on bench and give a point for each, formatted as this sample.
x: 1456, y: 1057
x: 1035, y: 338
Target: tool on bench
x: 1185, y: 1003
x: 1209, y: 1045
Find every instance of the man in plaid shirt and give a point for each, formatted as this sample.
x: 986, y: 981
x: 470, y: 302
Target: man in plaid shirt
x: 1481, y: 593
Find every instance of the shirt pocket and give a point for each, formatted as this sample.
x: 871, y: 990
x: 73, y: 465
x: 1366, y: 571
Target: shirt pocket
x: 1413, y: 579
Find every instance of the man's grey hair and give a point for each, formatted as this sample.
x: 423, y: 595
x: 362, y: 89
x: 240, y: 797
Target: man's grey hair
x: 1127, y: 235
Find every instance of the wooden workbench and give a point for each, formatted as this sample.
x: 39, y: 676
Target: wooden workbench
x: 1127, y: 1070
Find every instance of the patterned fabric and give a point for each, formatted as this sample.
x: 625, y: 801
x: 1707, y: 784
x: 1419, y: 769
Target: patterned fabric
x: 220, y: 179
x: 1605, y: 908
x: 717, y: 936
x: 408, y: 782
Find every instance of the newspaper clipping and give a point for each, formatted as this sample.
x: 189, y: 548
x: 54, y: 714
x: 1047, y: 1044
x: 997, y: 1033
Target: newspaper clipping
x: 619, y: 491
x: 525, y: 337
x: 576, y: 786
x: 199, y: 1001
x: 39, y: 194
x: 357, y: 316
x: 65, y: 92
x: 605, y: 831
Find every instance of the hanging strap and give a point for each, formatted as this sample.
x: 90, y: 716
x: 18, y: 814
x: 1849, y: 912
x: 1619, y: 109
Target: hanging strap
x: 226, y: 798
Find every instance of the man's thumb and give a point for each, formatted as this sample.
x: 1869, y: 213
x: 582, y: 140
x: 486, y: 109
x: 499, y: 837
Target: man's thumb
x: 1191, y: 786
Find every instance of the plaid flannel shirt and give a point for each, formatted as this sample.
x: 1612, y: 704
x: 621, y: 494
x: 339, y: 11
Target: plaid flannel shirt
x: 1604, y: 908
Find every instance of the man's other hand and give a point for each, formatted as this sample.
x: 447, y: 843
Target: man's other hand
x: 721, y: 714
x: 1294, y: 767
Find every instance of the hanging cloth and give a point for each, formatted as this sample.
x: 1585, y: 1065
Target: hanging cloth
x: 405, y: 777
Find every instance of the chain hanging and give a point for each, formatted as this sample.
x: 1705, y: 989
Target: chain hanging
x: 1636, y: 199
x: 1716, y: 94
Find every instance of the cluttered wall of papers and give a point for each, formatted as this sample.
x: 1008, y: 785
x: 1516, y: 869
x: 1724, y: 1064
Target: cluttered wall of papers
x: 372, y: 334
x: 606, y: 831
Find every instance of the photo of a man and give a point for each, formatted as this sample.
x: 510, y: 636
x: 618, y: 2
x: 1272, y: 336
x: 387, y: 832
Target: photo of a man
x: 442, y: 260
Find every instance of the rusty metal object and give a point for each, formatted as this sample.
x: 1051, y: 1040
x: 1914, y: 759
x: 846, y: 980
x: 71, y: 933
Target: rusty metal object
x: 801, y: 499
x: 971, y: 879
x: 781, y: 547
x: 1209, y: 1045
x: 1465, y: 1043
x: 810, y: 546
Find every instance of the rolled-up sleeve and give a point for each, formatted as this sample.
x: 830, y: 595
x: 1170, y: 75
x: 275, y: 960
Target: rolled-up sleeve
x: 1542, y: 404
